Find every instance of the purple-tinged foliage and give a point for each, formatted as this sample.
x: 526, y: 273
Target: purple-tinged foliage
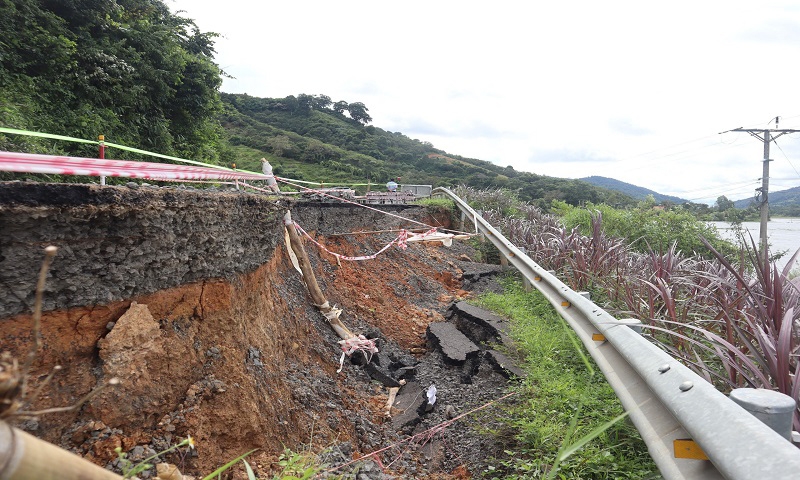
x: 735, y: 322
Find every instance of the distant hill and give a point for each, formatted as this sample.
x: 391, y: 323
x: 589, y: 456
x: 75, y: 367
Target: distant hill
x: 784, y: 202
x: 312, y: 138
x: 639, y: 193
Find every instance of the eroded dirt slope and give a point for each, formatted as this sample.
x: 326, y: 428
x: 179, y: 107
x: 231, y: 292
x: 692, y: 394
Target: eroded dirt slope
x: 190, y: 299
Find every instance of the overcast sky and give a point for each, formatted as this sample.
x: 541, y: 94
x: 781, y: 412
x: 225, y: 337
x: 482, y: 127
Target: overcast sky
x: 633, y: 90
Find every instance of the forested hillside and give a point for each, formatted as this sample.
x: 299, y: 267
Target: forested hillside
x: 782, y: 203
x: 311, y: 137
x: 141, y: 76
x: 127, y: 69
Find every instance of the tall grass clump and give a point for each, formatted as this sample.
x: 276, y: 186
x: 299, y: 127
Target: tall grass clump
x: 647, y: 227
x: 565, y: 404
x: 725, y: 312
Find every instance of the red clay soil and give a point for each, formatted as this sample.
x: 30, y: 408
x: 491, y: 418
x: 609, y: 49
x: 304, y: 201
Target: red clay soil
x: 375, y: 290
x: 237, y: 365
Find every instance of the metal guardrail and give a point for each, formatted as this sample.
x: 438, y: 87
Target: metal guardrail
x: 666, y: 400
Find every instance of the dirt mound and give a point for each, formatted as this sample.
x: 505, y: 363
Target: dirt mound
x: 238, y: 358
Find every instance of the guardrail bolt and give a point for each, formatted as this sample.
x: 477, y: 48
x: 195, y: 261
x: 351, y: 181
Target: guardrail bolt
x: 773, y: 408
x: 664, y: 368
x: 686, y: 386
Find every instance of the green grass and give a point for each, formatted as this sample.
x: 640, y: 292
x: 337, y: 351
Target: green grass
x: 561, y: 401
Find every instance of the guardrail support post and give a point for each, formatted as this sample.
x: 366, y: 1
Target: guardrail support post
x: 632, y: 323
x: 526, y: 285
x: 586, y: 295
x: 503, y: 261
x: 773, y: 408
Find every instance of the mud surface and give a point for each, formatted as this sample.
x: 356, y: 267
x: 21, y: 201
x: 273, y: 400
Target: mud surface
x: 190, y: 298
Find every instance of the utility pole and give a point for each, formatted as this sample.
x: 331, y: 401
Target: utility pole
x: 767, y: 136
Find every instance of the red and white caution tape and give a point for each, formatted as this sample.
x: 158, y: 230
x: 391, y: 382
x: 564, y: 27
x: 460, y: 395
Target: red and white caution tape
x: 399, y: 241
x: 432, y: 235
x: 95, y: 167
x: 355, y: 344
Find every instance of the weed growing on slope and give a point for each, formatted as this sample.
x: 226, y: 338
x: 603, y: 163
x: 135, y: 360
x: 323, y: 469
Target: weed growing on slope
x: 565, y: 403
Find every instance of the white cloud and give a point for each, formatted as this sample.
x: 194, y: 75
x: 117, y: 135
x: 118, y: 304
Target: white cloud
x: 625, y: 89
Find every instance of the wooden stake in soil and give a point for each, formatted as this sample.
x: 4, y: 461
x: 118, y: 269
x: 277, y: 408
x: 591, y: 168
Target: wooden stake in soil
x: 331, y: 313
x: 387, y: 410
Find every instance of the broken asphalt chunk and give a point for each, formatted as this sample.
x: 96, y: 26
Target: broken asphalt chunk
x: 504, y: 365
x: 380, y: 374
x: 454, y: 345
x: 481, y: 325
x: 410, y: 399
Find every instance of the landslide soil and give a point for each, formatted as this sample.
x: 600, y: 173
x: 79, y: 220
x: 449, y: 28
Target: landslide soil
x: 247, y: 362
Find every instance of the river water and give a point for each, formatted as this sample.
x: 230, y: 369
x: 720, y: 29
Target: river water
x: 783, y: 234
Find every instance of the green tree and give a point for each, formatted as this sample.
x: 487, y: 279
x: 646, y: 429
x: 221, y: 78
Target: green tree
x: 322, y: 102
x: 129, y: 69
x: 304, y: 103
x: 340, y: 107
x: 649, y: 229
x: 358, y: 112
x: 724, y: 204
x: 700, y: 210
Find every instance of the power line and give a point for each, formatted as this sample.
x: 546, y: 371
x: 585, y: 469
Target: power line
x: 691, y: 153
x: 787, y: 158
x: 766, y: 136
x: 715, y: 187
x: 725, y: 193
x: 784, y: 187
x: 666, y: 148
x: 694, y: 152
x: 707, y: 137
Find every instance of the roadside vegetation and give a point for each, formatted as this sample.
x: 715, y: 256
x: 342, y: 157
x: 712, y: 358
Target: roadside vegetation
x: 132, y: 71
x: 721, y: 309
x: 645, y: 228
x: 562, y: 400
